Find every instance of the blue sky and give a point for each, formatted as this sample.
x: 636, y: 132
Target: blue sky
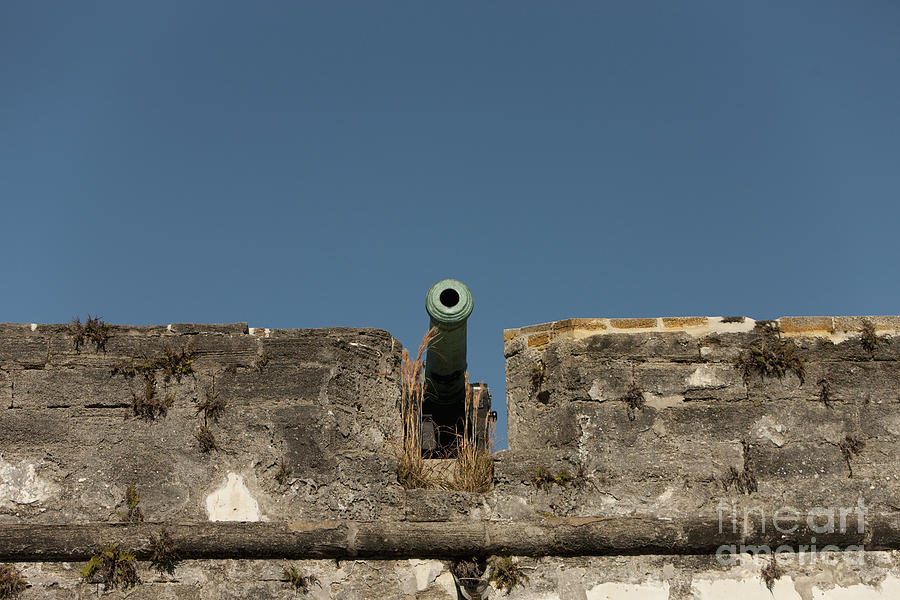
x: 295, y: 164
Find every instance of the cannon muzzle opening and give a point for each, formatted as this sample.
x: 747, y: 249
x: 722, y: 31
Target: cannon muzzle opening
x: 449, y: 303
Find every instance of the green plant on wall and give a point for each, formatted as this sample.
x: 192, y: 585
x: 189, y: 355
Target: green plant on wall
x: 284, y: 472
x: 301, y: 583
x: 506, y: 574
x: 544, y: 478
x: 133, y: 512
x: 113, y: 567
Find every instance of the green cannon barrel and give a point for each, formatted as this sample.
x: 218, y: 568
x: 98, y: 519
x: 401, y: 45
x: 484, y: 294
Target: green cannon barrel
x: 449, y: 304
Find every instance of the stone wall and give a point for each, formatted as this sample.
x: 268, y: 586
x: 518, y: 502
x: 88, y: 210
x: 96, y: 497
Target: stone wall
x: 643, y: 454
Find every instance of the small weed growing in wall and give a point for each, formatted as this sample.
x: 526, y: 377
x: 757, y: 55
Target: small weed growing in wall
x: 284, y: 472
x: 468, y: 574
x: 11, y: 582
x: 770, y: 573
x: 869, y: 340
x: 774, y: 358
x: 296, y: 580
x: 112, y: 567
x: 735, y: 319
x: 173, y: 363
x: 260, y: 362
x: 634, y: 401
x: 546, y: 478
x: 851, y: 446
x: 825, y: 392
x: 206, y: 439
x: 164, y: 556
x: 95, y: 331
x: 537, y: 376
x: 212, y: 406
x: 411, y: 470
x: 744, y: 481
x: 768, y: 328
x: 147, y: 403
x: 469, y: 568
x: 133, y: 513
x: 176, y: 363
x: 474, y: 468
x: 505, y: 574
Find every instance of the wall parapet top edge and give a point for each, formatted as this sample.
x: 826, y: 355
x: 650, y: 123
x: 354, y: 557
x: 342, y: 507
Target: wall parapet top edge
x: 237, y: 328
x: 835, y: 328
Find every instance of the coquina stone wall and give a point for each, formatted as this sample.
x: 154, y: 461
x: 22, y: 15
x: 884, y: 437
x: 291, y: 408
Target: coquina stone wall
x: 645, y: 455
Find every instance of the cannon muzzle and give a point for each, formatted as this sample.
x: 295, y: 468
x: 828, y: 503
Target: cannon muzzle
x: 449, y: 304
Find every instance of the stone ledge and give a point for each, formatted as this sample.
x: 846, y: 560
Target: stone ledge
x: 560, y: 536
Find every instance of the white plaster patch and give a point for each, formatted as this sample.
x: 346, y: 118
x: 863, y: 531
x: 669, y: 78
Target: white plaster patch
x: 232, y: 502
x: 651, y: 590
x: 20, y: 484
x: 749, y: 588
x: 705, y: 376
x: 596, y: 391
x: 888, y: 589
x: 445, y: 580
x: 717, y: 326
x: 768, y: 428
x: 425, y: 572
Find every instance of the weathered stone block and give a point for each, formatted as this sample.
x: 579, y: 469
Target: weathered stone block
x: 20, y: 347
x: 675, y: 346
x: 81, y: 387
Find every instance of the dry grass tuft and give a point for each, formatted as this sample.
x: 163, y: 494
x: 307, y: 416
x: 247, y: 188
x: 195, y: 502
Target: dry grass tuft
x: 851, y: 446
x: 771, y: 359
x: 148, y: 404
x: 869, y: 339
x: 95, y: 331
x: 744, y: 481
x: 474, y: 469
x: 770, y: 574
x: 11, y: 582
x: 165, y: 553
x: 411, y: 471
x: 206, y: 439
x: 212, y: 406
x: 634, y: 401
